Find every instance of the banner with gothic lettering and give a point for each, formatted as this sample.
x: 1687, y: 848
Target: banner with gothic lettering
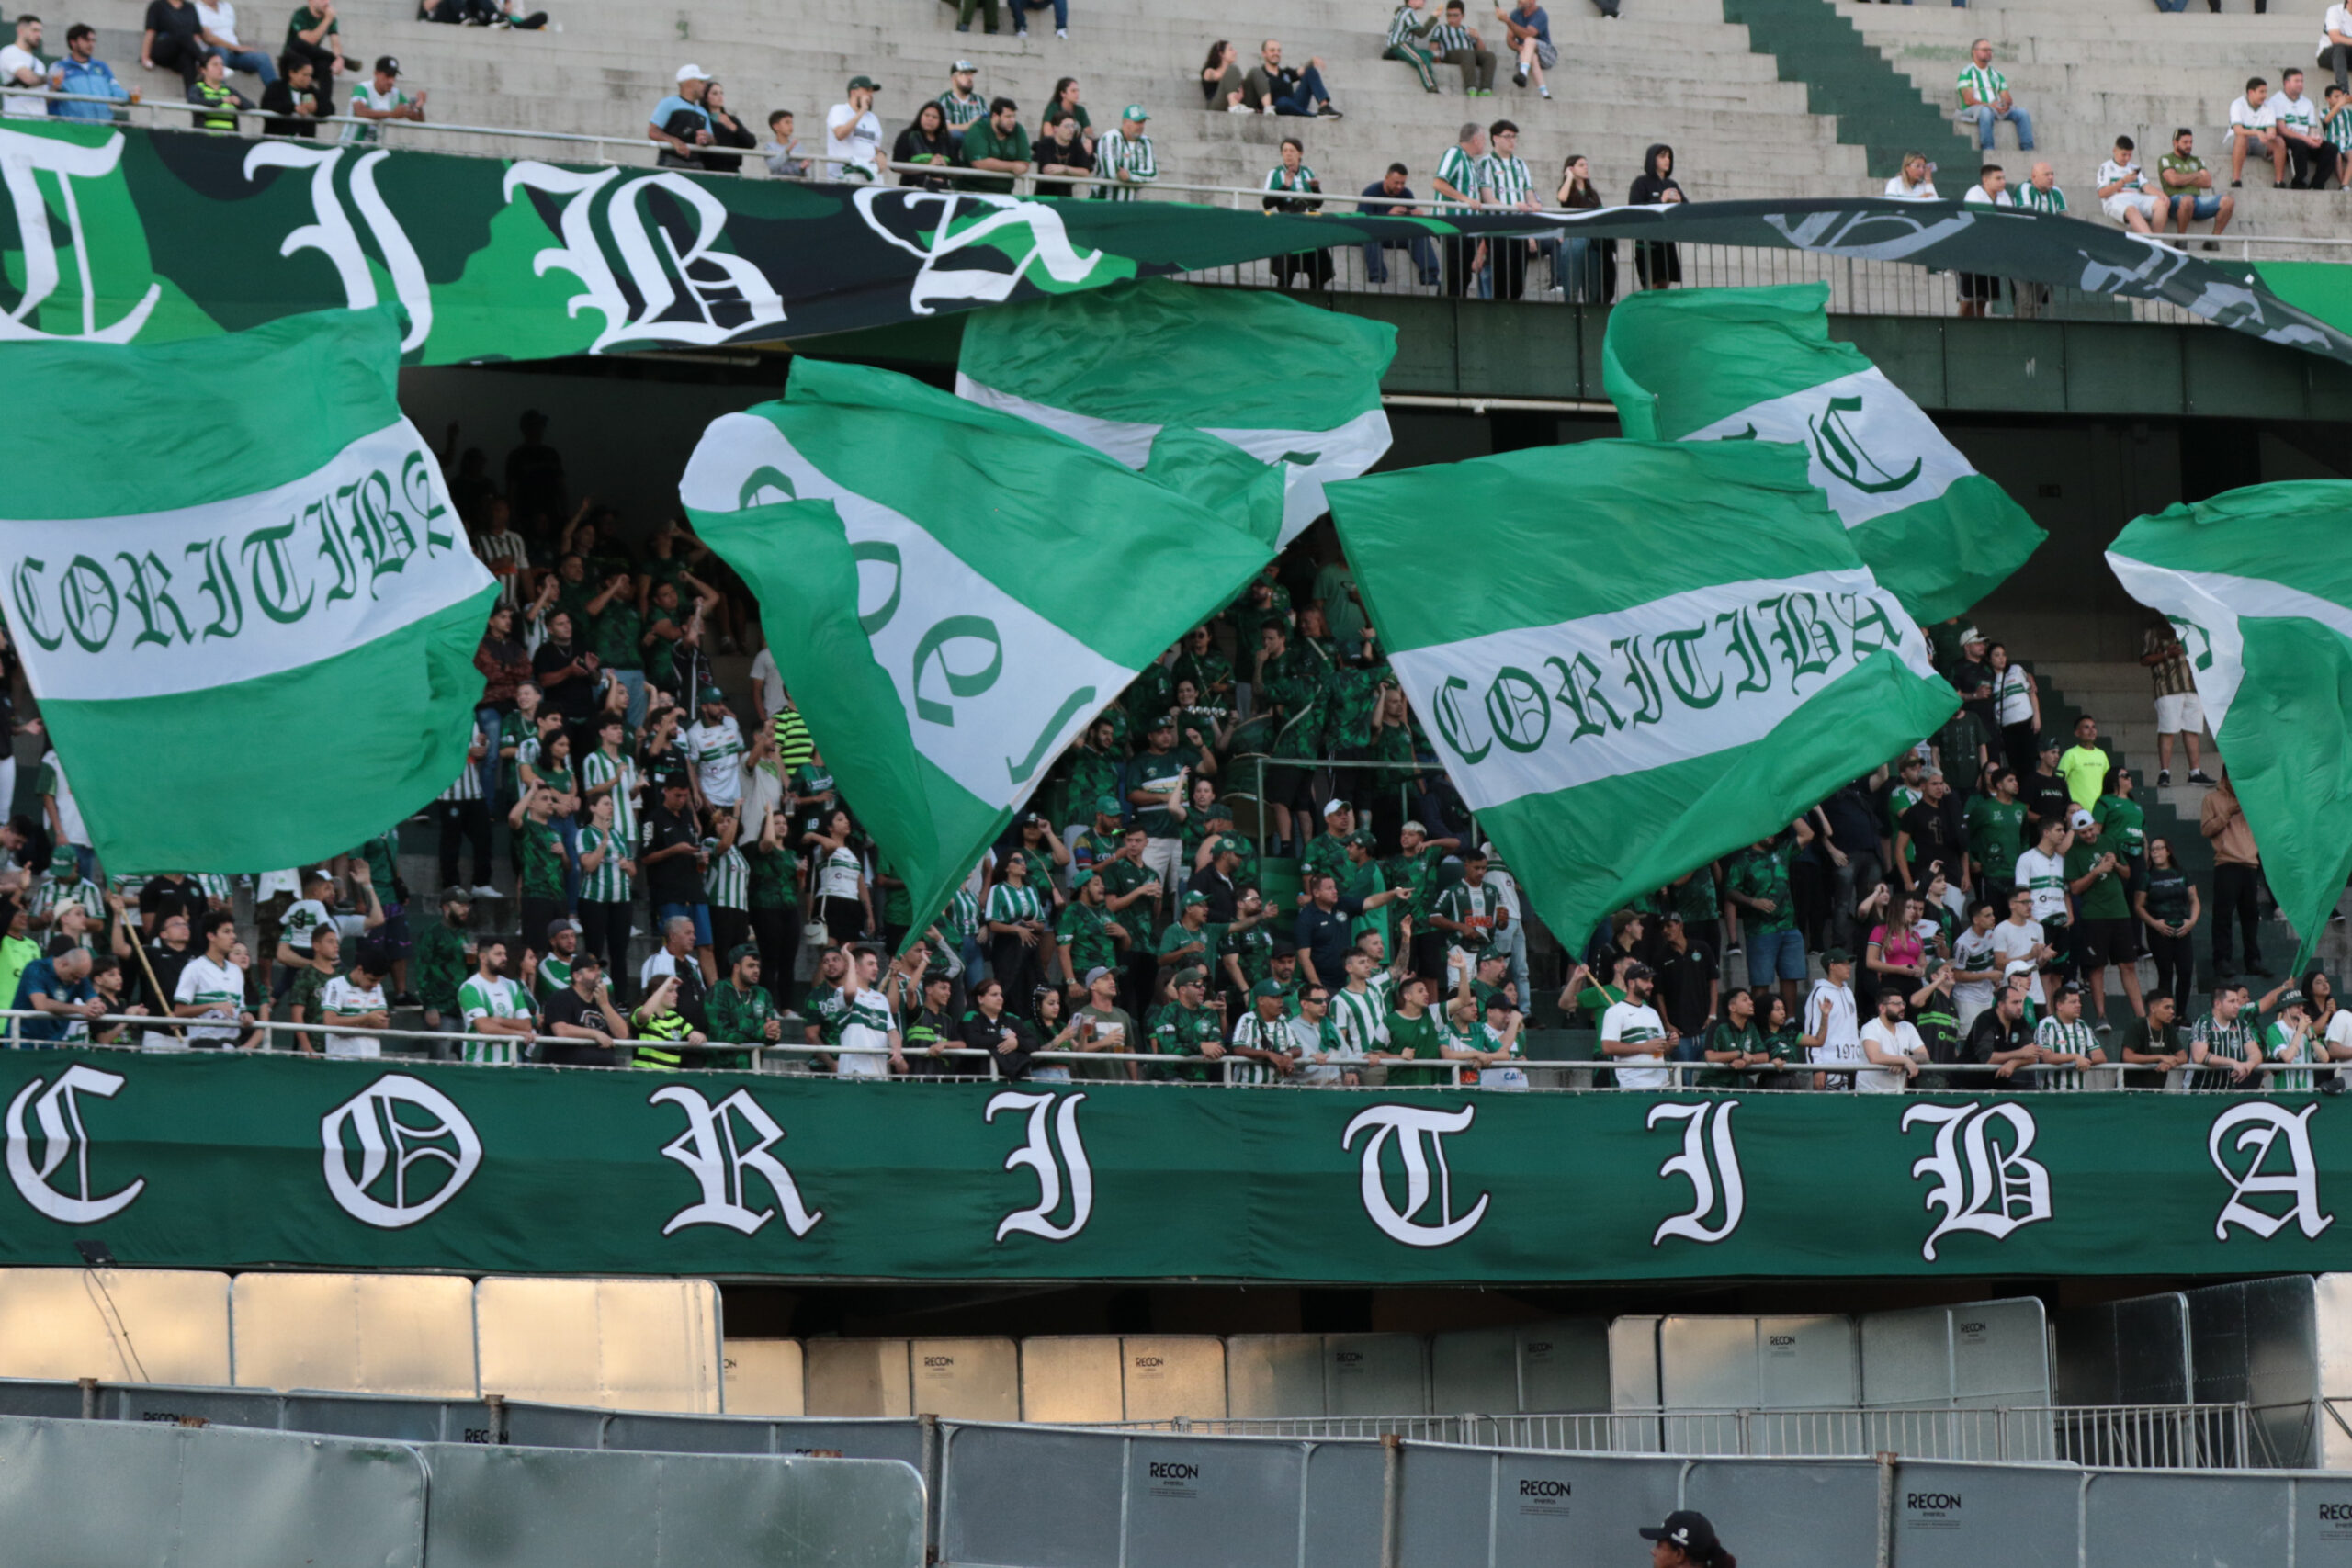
x: 121, y: 235
x: 341, y: 1164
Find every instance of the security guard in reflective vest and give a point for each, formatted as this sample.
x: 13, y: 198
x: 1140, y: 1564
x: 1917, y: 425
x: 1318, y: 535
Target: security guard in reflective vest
x: 660, y: 1027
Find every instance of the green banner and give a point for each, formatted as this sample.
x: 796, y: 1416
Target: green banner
x: 220, y: 1162
x: 123, y: 234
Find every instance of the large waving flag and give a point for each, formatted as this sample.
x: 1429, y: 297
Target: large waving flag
x: 2259, y: 582
x: 1289, y: 384
x: 1634, y: 656
x: 1742, y: 364
x: 951, y: 592
x: 240, y: 591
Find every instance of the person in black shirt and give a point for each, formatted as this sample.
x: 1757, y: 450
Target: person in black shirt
x: 932, y: 1033
x: 170, y: 893
x: 1923, y: 833
x: 172, y: 39
x: 1656, y: 264
x: 1395, y: 201
x: 726, y: 130
x: 292, y: 99
x: 671, y: 858
x: 566, y: 670
x: 2043, y: 791
x: 582, y: 1024
x: 1686, y: 979
x: 2000, y: 1037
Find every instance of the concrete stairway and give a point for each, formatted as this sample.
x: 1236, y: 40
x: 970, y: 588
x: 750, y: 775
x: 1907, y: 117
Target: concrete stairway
x: 2090, y: 69
x: 1670, y: 70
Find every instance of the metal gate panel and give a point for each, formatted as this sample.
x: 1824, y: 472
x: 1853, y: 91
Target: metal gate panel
x: 1475, y: 1369
x: 117, y: 1324
x: 765, y: 1377
x: 965, y: 1380
x: 1564, y: 1365
x: 1273, y: 1375
x: 1166, y: 1375
x: 1213, y: 1501
x: 1790, y: 1513
x: 2132, y: 1519
x: 1969, y: 1515
x: 616, y: 1344
x: 1015, y: 1497
x: 857, y: 1377
x: 1340, y: 1526
x: 1376, y: 1375
x: 1072, y: 1377
x: 404, y: 1333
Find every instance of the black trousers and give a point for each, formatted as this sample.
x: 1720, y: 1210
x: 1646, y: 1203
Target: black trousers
x: 463, y: 819
x: 184, y: 55
x: 2308, y: 167
x: 2233, y: 888
x: 1509, y: 258
x: 1460, y: 281
x: 537, y: 914
x: 603, y: 930
x: 2176, y: 959
x: 729, y: 928
x: 778, y: 933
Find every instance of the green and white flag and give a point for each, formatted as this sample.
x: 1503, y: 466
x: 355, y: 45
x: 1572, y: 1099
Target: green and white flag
x: 2260, y: 584
x: 239, y: 589
x: 1757, y: 364
x: 1635, y: 655
x: 1114, y: 368
x: 945, y: 594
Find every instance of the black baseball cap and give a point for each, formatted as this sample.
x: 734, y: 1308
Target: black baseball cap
x: 1687, y: 1529
x: 1639, y: 972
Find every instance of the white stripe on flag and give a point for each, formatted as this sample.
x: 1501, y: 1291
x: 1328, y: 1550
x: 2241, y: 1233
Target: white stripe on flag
x: 201, y: 597
x: 1128, y: 440
x: 1026, y: 710
x: 1876, y: 454
x: 2211, y: 602
x: 1540, y: 709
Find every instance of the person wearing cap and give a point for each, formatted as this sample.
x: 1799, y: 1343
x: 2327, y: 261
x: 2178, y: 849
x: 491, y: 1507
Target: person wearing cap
x: 1132, y: 895
x: 1095, y: 846
x: 380, y: 98
x: 1832, y: 1026
x: 961, y: 105
x: 1215, y: 873
x: 1964, y: 744
x: 1103, y: 1025
x: 2152, y: 1048
x: 1632, y: 1032
x: 2085, y: 763
x: 1686, y: 1539
x: 1892, y: 1046
x: 1263, y: 1035
x: 2065, y: 1041
x: 853, y: 151
x: 1089, y: 938
x: 681, y: 125
x: 1414, y: 867
x: 2043, y: 790
x: 1245, y: 948
x: 999, y: 146
x: 1189, y: 1026
x: 442, y: 958
x: 1125, y: 158
x: 714, y: 744
x: 1159, y: 780
x: 582, y: 1026
x: 1188, y: 943
x: 545, y: 859
x: 552, y: 959
x: 2102, y: 928
x: 2291, y: 1038
x: 740, y: 1009
x: 1327, y: 853
x: 495, y: 1008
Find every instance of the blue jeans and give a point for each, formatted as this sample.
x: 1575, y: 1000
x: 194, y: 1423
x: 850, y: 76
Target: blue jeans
x: 254, y: 60
x: 1987, y: 115
x: 1775, y: 955
x: 1310, y: 93
x: 1021, y: 9
x: 1422, y: 249
x: 487, y: 719
x: 699, y: 913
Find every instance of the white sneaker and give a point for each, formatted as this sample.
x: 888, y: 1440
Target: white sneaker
x: 485, y: 890
x: 1062, y: 33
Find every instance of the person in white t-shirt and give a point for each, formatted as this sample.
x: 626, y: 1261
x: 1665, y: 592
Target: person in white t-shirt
x: 867, y: 1020
x: 2299, y: 128
x: 2336, y: 44
x: 1892, y: 1047
x: 2253, y: 128
x: 20, y: 66
x: 1831, y: 1027
x: 715, y: 743
x: 1979, y: 291
x: 853, y: 148
x: 2127, y: 194
x: 1915, y: 182
x: 767, y: 685
x: 211, y: 987
x: 1975, y: 966
x: 356, y: 1001
x: 1631, y: 1030
x: 2042, y: 870
x: 2021, y: 939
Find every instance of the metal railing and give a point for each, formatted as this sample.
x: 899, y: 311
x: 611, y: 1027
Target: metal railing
x: 1565, y: 268
x: 2176, y: 1436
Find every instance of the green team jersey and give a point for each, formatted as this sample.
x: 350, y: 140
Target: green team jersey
x: 1120, y: 878
x: 727, y: 884
x: 304, y: 994
x: 1456, y: 168
x: 898, y: 909
x: 738, y: 1017
x: 774, y: 876
x: 608, y: 884
x: 1157, y: 772
x: 499, y: 997
x: 2033, y: 197
x: 597, y: 770
x: 1996, y: 834
x: 1464, y: 903
x: 1415, y: 872
x: 543, y: 862
x: 1084, y: 929
x: 2122, y: 826
x: 1178, y: 936
x: 1252, y: 947
x: 440, y: 966
x: 1764, y: 874
x: 1748, y: 1039
x: 616, y: 635
x: 554, y: 973
x: 2281, y: 1047
x: 1989, y: 84
x: 1325, y: 855
x: 2103, y: 899
x: 1179, y: 1031
x: 828, y: 1009
x: 1417, y: 1038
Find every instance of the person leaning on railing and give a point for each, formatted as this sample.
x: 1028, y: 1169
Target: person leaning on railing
x: 81, y: 74
x: 292, y: 99
x: 216, y: 102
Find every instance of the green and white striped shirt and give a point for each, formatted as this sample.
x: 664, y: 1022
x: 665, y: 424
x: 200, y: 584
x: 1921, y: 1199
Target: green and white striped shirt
x: 1505, y: 181
x: 1363, y: 1021
x: 961, y: 112
x: 608, y: 884
x: 2339, y: 129
x: 595, y: 770
x: 1445, y: 38
x: 2073, y: 1039
x: 1989, y: 84
x: 1459, y: 170
x: 2033, y: 196
x: 728, y: 884
x: 1007, y: 904
x: 499, y: 997
x: 1114, y: 155
x: 1408, y: 25
x: 1281, y: 179
x: 54, y: 895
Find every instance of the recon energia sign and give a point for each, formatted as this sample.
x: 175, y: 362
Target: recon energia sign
x: 220, y: 1161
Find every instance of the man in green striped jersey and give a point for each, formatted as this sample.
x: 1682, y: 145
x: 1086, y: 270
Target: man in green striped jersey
x: 1409, y: 40
x: 2065, y: 1041
x: 2042, y: 193
x: 1505, y: 182
x: 499, y: 1027
x: 67, y: 888
x: 1125, y: 155
x: 960, y: 103
x: 1984, y: 99
x: 1457, y: 187
x: 1458, y: 43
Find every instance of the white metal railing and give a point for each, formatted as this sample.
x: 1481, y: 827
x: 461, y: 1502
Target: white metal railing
x: 2155, y: 1437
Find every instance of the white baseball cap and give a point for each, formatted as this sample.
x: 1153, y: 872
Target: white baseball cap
x: 2079, y: 820
x: 693, y: 73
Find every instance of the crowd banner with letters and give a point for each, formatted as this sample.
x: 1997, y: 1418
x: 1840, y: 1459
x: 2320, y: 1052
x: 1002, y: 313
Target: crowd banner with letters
x: 1758, y: 365
x: 1641, y: 655
x: 412, y: 1165
x: 292, y: 558
x: 941, y: 668
x: 122, y: 234
x: 2258, y: 582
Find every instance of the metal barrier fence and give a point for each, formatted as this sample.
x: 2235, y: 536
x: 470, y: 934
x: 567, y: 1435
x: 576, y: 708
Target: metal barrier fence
x: 2210, y: 1437
x: 1566, y: 271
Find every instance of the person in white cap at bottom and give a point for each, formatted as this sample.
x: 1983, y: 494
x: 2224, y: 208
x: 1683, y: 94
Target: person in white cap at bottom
x: 1686, y: 1540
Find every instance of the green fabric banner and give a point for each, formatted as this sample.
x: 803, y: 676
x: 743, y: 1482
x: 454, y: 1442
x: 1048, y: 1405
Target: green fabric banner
x: 214, y: 1161
x: 123, y: 234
